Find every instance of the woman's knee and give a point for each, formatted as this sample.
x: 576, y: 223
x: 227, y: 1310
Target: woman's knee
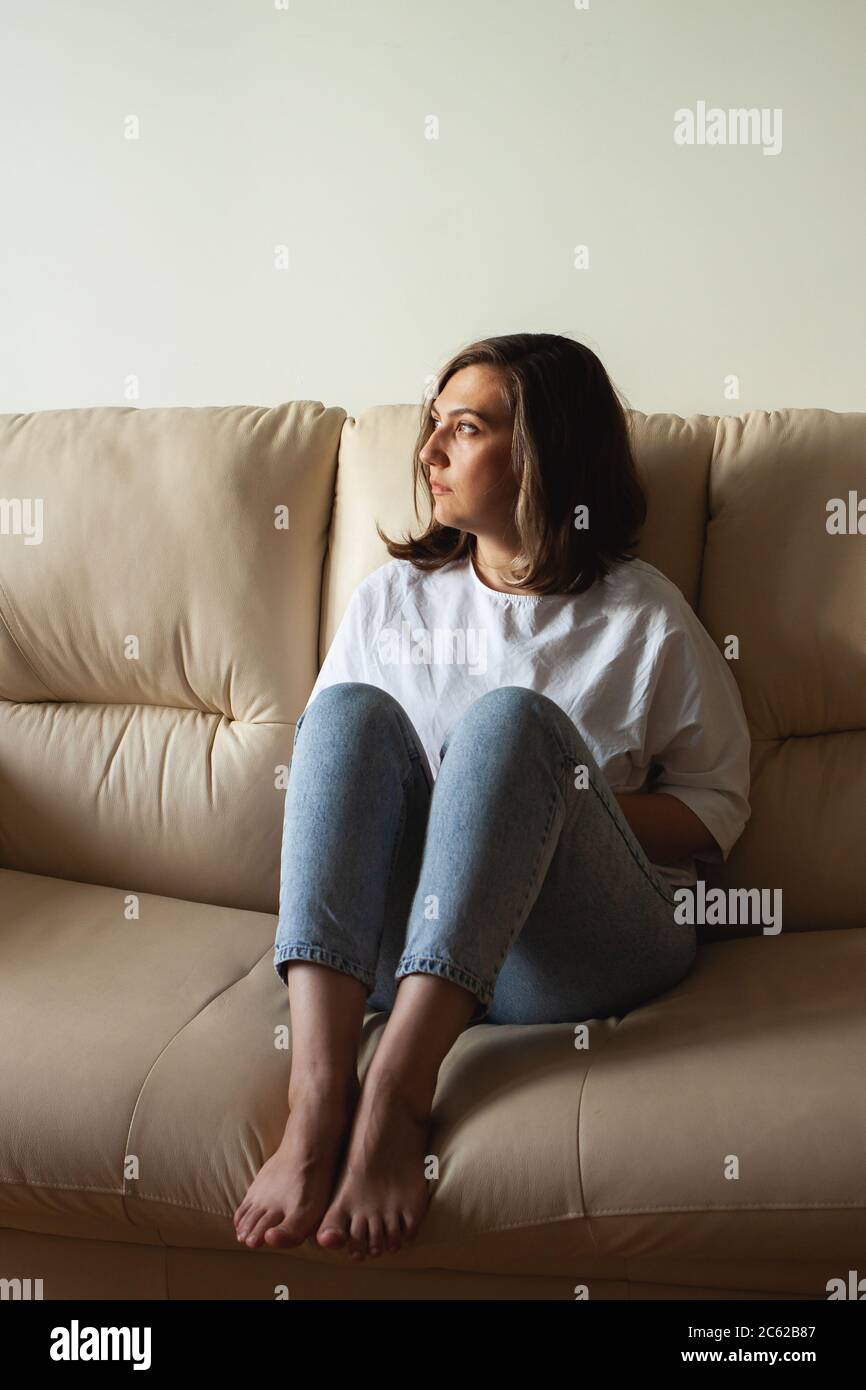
x: 360, y: 720
x: 517, y: 712
x: 354, y: 701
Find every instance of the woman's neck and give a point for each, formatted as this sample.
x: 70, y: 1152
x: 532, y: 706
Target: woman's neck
x: 492, y: 568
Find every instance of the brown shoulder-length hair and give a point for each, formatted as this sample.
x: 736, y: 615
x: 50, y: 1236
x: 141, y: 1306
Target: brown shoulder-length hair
x: 570, y: 447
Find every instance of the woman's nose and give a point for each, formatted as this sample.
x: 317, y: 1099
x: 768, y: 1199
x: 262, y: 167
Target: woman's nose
x: 434, y: 457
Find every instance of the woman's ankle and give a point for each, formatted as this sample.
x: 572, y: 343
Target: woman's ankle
x: 323, y: 1089
x: 404, y: 1083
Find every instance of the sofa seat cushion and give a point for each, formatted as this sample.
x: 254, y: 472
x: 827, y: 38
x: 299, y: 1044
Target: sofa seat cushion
x: 549, y: 1152
x: 724, y: 1119
x: 89, y: 1001
x: 728, y: 1118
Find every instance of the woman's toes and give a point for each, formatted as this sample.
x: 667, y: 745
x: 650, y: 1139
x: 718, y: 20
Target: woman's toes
x: 330, y: 1237
x: 332, y: 1233
x: 410, y: 1225
x: 393, y: 1239
x: 282, y: 1237
x: 240, y: 1214
x: 257, y: 1231
x: 251, y: 1215
x: 374, y: 1226
x: 358, y: 1236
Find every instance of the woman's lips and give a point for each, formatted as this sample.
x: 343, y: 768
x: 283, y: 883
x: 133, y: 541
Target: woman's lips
x: 436, y: 488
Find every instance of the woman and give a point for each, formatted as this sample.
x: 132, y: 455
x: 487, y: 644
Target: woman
x: 518, y: 646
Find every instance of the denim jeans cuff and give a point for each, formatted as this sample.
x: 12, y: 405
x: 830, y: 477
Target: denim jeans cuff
x: 319, y: 955
x: 446, y: 969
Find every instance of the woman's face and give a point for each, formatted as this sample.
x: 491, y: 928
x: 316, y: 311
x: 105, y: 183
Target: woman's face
x: 469, y: 454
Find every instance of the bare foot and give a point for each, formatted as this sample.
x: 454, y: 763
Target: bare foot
x: 285, y: 1200
x: 382, y: 1194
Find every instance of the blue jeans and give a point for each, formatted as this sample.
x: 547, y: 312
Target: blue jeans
x: 502, y: 875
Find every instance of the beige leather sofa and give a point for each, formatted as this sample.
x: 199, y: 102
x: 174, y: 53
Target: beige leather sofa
x: 157, y: 643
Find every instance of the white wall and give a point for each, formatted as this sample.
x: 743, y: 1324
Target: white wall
x: 153, y: 259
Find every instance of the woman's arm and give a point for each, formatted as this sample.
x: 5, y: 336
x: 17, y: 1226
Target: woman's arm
x: 666, y: 828
x: 696, y: 736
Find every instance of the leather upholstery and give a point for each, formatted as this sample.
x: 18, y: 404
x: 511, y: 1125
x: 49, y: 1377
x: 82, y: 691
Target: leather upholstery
x: 140, y: 1084
x: 154, y: 768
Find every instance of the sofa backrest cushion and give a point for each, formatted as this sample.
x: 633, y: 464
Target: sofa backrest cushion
x: 794, y: 594
x: 159, y: 641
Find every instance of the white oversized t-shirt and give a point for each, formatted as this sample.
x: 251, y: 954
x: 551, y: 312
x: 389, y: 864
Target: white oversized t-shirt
x: 628, y: 661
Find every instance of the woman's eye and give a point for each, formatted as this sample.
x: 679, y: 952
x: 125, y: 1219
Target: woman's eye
x: 471, y: 428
